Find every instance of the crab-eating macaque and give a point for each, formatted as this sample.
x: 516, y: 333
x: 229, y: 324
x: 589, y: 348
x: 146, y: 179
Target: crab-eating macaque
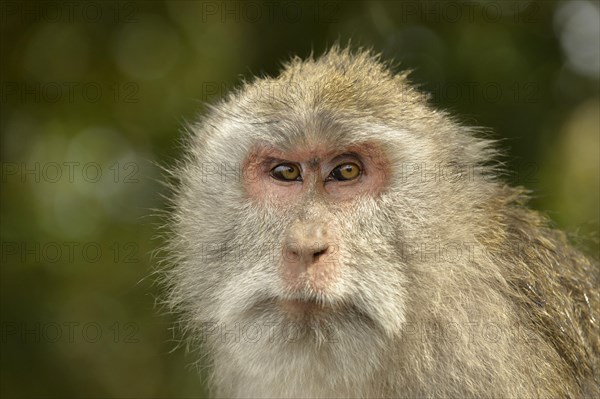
x: 334, y: 235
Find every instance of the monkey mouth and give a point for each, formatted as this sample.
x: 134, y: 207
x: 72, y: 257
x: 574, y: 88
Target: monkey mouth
x: 299, y: 308
x: 311, y: 310
x: 313, y: 315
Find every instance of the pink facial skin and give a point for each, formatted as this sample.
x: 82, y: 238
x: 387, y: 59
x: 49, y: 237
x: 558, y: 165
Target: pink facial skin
x: 316, y: 163
x: 311, y: 259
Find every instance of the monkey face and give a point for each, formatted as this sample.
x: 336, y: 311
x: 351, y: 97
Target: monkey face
x: 301, y: 235
x: 322, y: 256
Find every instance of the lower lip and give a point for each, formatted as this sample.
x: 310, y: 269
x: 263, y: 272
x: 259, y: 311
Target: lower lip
x: 299, y: 307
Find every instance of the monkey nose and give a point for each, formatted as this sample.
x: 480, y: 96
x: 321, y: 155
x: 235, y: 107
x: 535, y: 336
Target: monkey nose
x: 307, y: 254
x: 306, y: 243
x: 311, y: 264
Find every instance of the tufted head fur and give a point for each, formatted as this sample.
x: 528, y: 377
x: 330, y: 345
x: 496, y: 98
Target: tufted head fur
x: 445, y: 284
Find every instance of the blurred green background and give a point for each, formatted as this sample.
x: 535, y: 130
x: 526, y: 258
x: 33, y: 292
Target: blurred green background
x: 93, y: 97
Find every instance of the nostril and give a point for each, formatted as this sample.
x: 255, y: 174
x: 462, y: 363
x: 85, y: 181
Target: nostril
x: 318, y: 254
x: 292, y: 255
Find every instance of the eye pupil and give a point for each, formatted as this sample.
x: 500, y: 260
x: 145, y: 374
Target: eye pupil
x: 288, y: 172
x: 347, y: 171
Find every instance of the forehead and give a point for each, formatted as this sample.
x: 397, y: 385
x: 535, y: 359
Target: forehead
x: 310, y: 152
x: 315, y: 110
x: 308, y: 131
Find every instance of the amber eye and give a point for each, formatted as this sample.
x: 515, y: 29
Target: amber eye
x: 346, y: 171
x: 286, y: 172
